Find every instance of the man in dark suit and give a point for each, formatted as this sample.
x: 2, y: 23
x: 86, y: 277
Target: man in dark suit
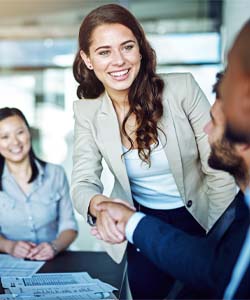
x: 235, y: 94
x: 205, y: 265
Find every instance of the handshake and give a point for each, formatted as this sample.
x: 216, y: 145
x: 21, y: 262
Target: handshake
x: 111, y: 220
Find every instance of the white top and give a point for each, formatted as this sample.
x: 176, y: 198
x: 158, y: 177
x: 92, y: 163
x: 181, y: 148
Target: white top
x: 153, y: 187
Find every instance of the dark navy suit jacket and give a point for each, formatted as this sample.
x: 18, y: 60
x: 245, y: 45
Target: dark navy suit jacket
x: 204, y: 265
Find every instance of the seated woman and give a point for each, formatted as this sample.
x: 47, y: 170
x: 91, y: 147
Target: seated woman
x: 36, y: 216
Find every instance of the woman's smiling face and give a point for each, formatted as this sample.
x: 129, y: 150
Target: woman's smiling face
x: 15, y: 141
x: 114, y: 56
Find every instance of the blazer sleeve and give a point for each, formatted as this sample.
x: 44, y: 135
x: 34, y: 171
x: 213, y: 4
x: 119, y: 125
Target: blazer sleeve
x: 184, y: 257
x: 221, y: 188
x: 87, y: 161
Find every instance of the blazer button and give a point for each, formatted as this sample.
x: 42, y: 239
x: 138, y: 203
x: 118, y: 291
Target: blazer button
x: 189, y: 203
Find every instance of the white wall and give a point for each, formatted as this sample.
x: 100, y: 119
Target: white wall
x: 235, y: 14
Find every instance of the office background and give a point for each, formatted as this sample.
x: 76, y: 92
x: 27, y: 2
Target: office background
x: 38, y: 40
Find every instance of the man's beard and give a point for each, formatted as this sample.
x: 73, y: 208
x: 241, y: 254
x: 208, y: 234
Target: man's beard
x: 223, y: 157
x: 236, y: 135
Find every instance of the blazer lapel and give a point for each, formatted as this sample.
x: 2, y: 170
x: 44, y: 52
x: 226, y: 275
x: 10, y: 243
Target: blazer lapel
x: 108, y: 129
x: 171, y: 148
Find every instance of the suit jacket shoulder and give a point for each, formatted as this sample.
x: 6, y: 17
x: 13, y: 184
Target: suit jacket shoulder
x: 87, y: 108
x: 182, y: 89
x: 174, y: 81
x: 228, y: 217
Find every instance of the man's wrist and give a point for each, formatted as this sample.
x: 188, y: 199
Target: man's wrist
x: 131, y: 225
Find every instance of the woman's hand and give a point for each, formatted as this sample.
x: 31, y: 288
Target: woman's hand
x: 43, y: 251
x: 20, y: 249
x: 106, y: 227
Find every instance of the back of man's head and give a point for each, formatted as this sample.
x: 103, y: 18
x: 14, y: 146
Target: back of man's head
x: 242, y: 43
x: 235, y: 88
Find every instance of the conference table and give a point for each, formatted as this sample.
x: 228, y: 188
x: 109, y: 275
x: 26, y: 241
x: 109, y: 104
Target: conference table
x: 97, y: 264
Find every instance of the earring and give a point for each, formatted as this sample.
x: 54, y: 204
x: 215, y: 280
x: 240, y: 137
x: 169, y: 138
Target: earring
x: 90, y: 67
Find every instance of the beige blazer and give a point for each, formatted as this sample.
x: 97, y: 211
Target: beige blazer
x: 206, y: 193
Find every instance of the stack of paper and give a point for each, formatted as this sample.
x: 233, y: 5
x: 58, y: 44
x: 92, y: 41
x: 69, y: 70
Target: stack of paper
x: 57, y: 286
x: 12, y: 266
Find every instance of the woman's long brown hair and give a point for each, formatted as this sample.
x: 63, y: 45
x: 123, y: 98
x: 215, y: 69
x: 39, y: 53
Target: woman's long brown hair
x: 145, y: 94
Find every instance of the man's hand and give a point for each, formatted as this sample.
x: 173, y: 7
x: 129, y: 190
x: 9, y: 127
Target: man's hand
x: 118, y: 213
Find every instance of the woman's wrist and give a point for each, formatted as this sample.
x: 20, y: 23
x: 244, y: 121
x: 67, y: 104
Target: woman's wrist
x: 7, y: 246
x: 94, y: 202
x: 54, y: 247
x: 92, y: 212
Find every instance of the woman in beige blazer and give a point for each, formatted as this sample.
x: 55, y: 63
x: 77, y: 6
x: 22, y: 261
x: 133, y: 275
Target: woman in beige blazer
x: 127, y: 109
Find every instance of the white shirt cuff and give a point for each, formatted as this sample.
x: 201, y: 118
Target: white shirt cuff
x: 132, y: 224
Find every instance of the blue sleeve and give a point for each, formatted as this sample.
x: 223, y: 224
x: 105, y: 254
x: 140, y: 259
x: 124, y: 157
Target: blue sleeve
x: 132, y: 224
x: 184, y: 257
x: 66, y: 214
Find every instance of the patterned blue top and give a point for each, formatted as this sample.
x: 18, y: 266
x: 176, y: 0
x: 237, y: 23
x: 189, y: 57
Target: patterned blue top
x: 42, y: 214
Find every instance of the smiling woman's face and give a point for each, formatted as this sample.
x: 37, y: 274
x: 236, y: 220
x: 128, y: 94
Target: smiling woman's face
x: 114, y: 56
x: 15, y: 141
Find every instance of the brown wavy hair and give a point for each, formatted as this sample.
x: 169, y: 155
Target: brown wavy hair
x: 145, y: 93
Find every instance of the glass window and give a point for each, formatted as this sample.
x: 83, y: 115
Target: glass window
x: 34, y: 53
x: 188, y: 48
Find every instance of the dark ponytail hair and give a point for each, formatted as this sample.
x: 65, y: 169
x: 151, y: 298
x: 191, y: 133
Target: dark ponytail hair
x: 145, y: 94
x: 7, y: 112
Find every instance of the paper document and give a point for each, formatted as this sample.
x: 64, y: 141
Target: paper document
x: 72, y: 297
x: 47, y: 279
x: 12, y: 266
x: 88, y: 288
x: 58, y: 286
x: 53, y: 289
x: 63, y: 297
x: 7, y: 297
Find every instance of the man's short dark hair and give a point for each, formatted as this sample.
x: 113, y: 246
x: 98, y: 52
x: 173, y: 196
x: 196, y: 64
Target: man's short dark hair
x: 219, y: 77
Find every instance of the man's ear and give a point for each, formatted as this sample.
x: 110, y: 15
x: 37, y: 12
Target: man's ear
x: 86, y: 60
